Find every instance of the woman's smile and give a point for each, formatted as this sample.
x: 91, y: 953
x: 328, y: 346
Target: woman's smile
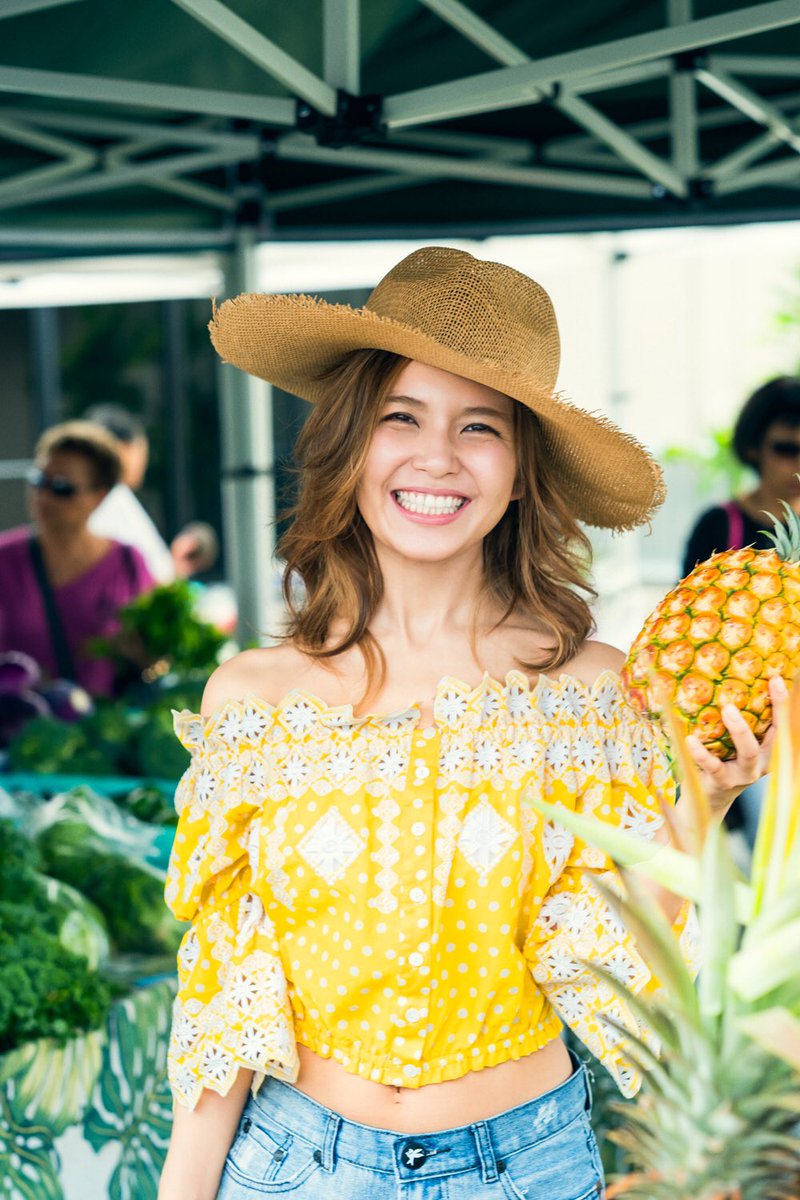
x: 429, y: 507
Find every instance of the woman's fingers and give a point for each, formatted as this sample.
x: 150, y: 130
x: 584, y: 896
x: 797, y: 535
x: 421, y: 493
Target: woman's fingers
x: 724, y: 780
x: 746, y: 765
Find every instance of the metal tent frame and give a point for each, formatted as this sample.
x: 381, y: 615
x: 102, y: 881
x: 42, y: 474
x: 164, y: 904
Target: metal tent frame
x: 693, y: 118
x: 222, y: 155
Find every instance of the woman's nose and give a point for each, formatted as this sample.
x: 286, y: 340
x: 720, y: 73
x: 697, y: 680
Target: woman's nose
x: 435, y: 453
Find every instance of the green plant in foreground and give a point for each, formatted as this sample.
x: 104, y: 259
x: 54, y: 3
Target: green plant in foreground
x: 718, y: 1117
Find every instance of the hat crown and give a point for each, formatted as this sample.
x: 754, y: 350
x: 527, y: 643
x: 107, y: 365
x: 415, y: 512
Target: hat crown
x: 484, y: 310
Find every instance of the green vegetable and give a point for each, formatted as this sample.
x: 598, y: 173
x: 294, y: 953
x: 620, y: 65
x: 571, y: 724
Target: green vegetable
x: 158, y: 751
x: 132, y: 902
x: 163, y: 627
x: 148, y: 803
x: 45, y: 989
x: 46, y: 745
x: 94, y: 846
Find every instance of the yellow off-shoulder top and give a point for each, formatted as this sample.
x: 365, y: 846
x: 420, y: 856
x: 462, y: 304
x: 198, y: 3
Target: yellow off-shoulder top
x: 384, y: 895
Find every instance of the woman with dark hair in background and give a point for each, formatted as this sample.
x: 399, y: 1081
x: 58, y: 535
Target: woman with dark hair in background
x: 60, y: 584
x: 767, y: 438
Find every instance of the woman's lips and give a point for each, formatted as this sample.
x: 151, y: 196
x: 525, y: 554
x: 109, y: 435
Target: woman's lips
x: 431, y: 517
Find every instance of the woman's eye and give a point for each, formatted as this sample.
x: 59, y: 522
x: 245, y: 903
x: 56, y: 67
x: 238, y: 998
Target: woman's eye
x: 401, y: 417
x: 479, y: 427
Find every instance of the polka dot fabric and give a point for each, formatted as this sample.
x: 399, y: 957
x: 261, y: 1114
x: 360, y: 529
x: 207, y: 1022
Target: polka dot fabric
x: 384, y: 895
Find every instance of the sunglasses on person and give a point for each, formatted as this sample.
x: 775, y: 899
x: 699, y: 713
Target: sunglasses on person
x: 784, y: 448
x: 57, y: 485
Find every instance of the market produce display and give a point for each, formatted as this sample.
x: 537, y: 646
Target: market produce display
x: 48, y: 987
x: 719, y: 636
x: 83, y: 929
x: 87, y: 945
x: 25, y: 695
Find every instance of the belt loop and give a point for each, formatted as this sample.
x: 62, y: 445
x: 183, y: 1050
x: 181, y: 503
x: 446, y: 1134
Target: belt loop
x: 332, y: 1128
x: 588, y: 1076
x: 483, y: 1142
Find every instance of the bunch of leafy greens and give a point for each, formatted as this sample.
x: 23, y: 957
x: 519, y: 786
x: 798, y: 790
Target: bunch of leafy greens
x: 115, y: 740
x: 46, y: 990
x: 87, y: 841
x: 162, y: 625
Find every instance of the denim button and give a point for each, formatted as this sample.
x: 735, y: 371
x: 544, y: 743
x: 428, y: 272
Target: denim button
x: 413, y: 1155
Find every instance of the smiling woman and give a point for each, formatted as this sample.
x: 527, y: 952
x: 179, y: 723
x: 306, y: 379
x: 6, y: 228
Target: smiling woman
x: 386, y: 936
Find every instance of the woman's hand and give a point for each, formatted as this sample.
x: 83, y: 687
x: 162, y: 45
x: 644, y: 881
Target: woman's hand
x: 723, y: 781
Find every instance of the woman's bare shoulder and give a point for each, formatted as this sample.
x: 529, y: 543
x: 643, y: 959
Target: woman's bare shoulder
x: 592, y: 660
x: 267, y: 672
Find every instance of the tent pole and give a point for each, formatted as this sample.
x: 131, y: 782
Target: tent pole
x: 248, y: 480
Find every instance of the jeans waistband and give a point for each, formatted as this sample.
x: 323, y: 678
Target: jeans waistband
x: 480, y: 1145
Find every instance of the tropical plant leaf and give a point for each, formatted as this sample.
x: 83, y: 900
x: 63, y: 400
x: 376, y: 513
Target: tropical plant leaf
x: 767, y: 964
x: 663, y: 864
x: 719, y: 928
x: 654, y: 939
x: 29, y: 1162
x: 53, y: 1082
x: 778, y: 1031
x: 132, y: 1103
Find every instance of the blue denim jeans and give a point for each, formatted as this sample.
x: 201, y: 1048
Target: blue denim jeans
x: 287, y: 1144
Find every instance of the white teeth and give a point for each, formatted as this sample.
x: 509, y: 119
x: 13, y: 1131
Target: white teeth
x: 424, y: 502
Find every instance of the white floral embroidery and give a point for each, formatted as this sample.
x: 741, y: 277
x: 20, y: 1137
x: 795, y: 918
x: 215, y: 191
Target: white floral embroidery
x: 453, y: 759
x: 340, y: 764
x: 331, y: 846
x: 254, y: 724
x: 451, y: 707
x: 557, y: 754
x: 518, y: 702
x: 295, y: 770
x: 557, y: 843
x: 229, y: 727
x: 299, y: 716
x: 391, y: 763
x: 485, y: 838
x: 487, y: 756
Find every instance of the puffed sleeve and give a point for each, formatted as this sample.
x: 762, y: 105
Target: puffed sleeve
x: 232, y: 1008
x: 618, y: 770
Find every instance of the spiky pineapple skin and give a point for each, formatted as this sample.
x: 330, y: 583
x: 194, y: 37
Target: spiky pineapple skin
x: 716, y: 639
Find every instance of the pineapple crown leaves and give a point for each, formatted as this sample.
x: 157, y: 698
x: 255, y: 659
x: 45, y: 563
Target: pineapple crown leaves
x: 785, y: 534
x: 778, y: 1032
x: 654, y: 938
x: 776, y: 855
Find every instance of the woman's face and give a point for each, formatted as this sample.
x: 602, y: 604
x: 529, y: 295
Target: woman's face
x: 441, y: 467
x: 778, y: 460
x: 64, y: 513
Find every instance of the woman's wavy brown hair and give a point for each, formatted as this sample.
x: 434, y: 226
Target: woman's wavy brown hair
x: 535, y: 559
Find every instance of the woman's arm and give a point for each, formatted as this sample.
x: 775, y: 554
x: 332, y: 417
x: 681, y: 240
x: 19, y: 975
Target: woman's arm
x: 200, y: 1141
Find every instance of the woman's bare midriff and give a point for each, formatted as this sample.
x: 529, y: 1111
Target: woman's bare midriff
x: 476, y: 1096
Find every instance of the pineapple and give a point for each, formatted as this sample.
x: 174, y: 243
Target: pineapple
x: 718, y: 1117
x: 718, y: 636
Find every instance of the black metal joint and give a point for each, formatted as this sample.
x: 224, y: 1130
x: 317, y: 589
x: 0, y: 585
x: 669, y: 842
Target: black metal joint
x: 689, y: 61
x: 700, y: 188
x: 356, y: 118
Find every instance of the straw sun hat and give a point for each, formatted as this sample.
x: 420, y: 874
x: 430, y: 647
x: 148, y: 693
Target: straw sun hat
x: 482, y: 320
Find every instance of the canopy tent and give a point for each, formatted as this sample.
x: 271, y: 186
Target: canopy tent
x: 187, y: 124
x: 177, y: 122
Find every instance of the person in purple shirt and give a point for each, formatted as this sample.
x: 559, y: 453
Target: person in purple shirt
x: 57, y: 563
